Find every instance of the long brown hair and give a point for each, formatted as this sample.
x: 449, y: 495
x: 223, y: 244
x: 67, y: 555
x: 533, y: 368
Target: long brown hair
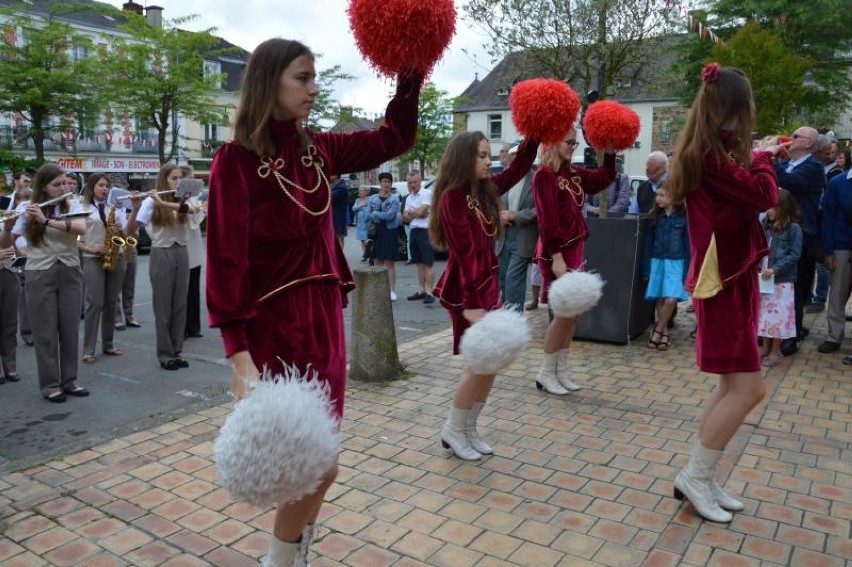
x: 458, y: 170
x: 786, y: 212
x: 45, y: 174
x: 719, y: 105
x: 259, y: 96
x: 89, y: 188
x: 164, y: 216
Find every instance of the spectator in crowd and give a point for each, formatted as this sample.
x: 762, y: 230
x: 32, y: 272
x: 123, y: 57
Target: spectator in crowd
x: 803, y: 175
x: 837, y: 244
x: 360, y: 211
x: 516, y: 245
x: 618, y: 197
x: 384, y: 212
x: 826, y: 151
x: 416, y: 214
x: 844, y: 159
x: 657, y: 170
x: 339, y: 206
x: 829, y: 157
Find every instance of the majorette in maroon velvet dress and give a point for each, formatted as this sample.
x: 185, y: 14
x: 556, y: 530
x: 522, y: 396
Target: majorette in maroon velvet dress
x: 276, y: 275
x: 726, y: 244
x: 559, y: 199
x: 470, y: 278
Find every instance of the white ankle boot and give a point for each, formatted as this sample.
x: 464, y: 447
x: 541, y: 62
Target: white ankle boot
x: 563, y: 376
x: 280, y: 554
x: 476, y: 441
x: 546, y: 379
x: 454, y: 435
x: 725, y: 500
x: 284, y: 554
x: 695, y: 483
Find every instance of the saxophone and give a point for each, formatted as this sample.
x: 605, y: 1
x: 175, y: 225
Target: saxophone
x: 129, y: 243
x: 112, y: 243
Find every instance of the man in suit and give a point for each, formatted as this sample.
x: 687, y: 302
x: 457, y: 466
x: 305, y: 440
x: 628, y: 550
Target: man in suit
x: 657, y: 170
x: 826, y: 152
x: 803, y: 175
x: 515, y: 248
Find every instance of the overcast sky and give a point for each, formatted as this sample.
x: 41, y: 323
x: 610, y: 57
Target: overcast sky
x: 324, y: 26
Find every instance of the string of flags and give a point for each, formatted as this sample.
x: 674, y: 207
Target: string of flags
x: 694, y: 23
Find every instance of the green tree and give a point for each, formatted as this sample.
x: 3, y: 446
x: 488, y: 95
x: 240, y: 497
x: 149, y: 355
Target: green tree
x: 158, y: 74
x: 326, y: 110
x: 598, y: 44
x: 434, y: 128
x: 775, y: 73
x: 48, y: 75
x: 815, y: 29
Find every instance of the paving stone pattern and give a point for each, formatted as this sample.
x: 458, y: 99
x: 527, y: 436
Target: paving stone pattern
x: 584, y: 480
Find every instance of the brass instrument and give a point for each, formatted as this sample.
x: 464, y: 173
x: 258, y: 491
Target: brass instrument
x: 112, y: 243
x: 129, y: 243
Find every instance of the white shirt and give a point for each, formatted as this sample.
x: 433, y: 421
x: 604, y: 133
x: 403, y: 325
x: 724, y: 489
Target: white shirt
x: 415, y: 201
x: 162, y: 236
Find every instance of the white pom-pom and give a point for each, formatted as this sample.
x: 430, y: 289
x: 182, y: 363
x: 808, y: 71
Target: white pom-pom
x: 279, y: 441
x: 575, y: 293
x: 495, y: 341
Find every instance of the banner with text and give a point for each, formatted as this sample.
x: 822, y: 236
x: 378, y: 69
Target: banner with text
x: 108, y: 164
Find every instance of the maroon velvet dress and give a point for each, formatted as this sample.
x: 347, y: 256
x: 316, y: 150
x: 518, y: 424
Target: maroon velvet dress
x: 559, y: 199
x: 726, y: 206
x: 470, y: 277
x: 276, y: 275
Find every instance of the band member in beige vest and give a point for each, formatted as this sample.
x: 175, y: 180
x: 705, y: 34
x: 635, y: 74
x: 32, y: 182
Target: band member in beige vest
x: 167, y: 222
x: 103, y: 265
x: 54, y: 281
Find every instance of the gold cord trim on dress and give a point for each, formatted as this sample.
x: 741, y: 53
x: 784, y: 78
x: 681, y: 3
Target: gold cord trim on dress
x: 485, y: 223
x: 577, y: 195
x: 311, y: 159
x: 290, y: 284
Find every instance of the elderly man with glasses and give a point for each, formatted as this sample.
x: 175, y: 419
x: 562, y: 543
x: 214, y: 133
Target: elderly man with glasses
x: 803, y: 176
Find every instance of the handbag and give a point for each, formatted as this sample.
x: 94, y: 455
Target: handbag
x: 371, y: 229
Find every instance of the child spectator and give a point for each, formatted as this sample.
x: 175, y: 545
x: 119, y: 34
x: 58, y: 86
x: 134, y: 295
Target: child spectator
x: 665, y: 262
x: 777, y: 309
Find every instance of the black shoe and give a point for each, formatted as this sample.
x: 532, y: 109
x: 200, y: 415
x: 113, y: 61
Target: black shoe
x: 789, y: 347
x: 77, y: 391
x: 803, y: 334
x: 815, y: 308
x: 419, y: 296
x: 429, y: 299
x: 193, y: 336
x: 847, y: 359
x: 181, y: 363
x: 133, y: 323
x: 56, y: 397
x: 827, y: 347
x: 12, y: 378
x: 170, y: 364
x: 28, y: 342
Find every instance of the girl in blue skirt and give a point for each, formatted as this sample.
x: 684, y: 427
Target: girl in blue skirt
x: 665, y: 263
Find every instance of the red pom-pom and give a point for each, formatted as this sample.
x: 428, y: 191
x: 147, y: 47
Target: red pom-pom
x: 544, y: 109
x: 398, y: 35
x: 607, y: 122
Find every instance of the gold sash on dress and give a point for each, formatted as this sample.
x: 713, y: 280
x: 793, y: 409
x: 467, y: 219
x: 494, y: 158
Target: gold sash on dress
x: 709, y: 281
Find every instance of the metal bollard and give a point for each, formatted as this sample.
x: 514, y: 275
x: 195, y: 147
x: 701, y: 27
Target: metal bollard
x: 374, y: 356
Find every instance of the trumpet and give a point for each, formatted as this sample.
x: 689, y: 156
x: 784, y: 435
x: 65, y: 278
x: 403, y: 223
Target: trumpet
x: 16, y: 214
x: 141, y: 194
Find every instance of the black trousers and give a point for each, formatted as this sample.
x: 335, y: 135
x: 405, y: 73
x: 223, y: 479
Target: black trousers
x: 193, y: 303
x: 804, y: 281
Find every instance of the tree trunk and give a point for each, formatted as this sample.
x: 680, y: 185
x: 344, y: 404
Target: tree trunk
x: 38, y: 134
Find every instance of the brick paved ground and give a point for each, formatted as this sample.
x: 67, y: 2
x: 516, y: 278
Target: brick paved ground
x: 582, y: 480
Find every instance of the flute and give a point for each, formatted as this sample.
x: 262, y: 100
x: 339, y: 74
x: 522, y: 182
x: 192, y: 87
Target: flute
x: 16, y: 214
x: 139, y: 194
